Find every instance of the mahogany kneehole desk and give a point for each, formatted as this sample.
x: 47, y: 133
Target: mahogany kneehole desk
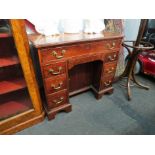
x: 73, y: 63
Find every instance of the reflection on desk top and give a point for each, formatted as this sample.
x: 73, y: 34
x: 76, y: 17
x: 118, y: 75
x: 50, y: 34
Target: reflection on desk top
x: 40, y: 41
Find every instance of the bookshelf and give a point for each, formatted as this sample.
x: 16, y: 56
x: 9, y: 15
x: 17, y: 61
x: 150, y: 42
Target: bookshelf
x: 20, y: 104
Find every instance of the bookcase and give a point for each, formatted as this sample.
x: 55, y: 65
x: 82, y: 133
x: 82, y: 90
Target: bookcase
x: 20, y: 103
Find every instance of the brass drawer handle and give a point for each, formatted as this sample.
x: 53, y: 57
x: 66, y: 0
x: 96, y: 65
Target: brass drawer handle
x: 111, y: 46
x: 54, y: 53
x: 54, y: 72
x: 58, y: 87
x: 107, y: 83
x: 112, y: 58
x: 59, y: 101
x: 110, y: 70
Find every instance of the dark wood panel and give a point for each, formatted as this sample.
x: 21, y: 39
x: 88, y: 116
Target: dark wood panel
x: 80, y: 76
x: 97, y: 68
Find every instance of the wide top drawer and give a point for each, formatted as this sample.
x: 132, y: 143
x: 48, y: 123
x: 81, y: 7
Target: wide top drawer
x: 64, y: 52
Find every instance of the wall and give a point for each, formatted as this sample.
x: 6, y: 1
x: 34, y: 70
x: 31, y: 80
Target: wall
x: 131, y: 27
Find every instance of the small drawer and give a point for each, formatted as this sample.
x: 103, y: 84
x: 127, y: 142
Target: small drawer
x: 63, y: 52
x: 57, y: 99
x: 57, y: 53
x: 113, y: 44
x: 110, y: 57
x: 107, y: 82
x: 54, y: 69
x: 109, y: 68
x: 107, y: 45
x: 55, y: 84
x: 49, y: 54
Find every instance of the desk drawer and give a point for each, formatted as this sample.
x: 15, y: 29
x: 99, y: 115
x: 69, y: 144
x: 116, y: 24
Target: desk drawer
x: 55, y: 84
x: 63, y: 52
x: 54, y: 69
x: 57, y: 99
x: 68, y: 51
x: 108, y: 45
x: 106, y: 82
x: 49, y: 54
x: 109, y: 69
x: 111, y: 57
x: 112, y: 44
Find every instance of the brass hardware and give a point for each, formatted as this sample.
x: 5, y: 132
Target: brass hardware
x: 111, y: 46
x: 59, y: 101
x: 54, y: 72
x: 54, y: 53
x: 107, y: 83
x: 112, y: 58
x: 110, y: 70
x: 58, y: 87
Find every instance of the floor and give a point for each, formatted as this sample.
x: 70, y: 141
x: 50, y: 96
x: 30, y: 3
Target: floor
x: 112, y: 114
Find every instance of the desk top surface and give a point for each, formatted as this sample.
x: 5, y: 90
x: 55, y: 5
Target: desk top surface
x: 40, y: 41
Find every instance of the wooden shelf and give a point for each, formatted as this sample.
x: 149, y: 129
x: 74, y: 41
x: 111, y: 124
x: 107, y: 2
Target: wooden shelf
x: 8, y: 61
x: 10, y: 85
x: 20, y: 104
x: 13, y: 105
x: 5, y: 35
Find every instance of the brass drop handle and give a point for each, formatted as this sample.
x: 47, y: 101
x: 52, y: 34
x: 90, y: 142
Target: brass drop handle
x: 55, y: 72
x: 59, y: 101
x: 111, y: 46
x: 58, y: 87
x: 54, y: 53
x: 112, y: 58
x: 107, y: 83
x: 110, y: 70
